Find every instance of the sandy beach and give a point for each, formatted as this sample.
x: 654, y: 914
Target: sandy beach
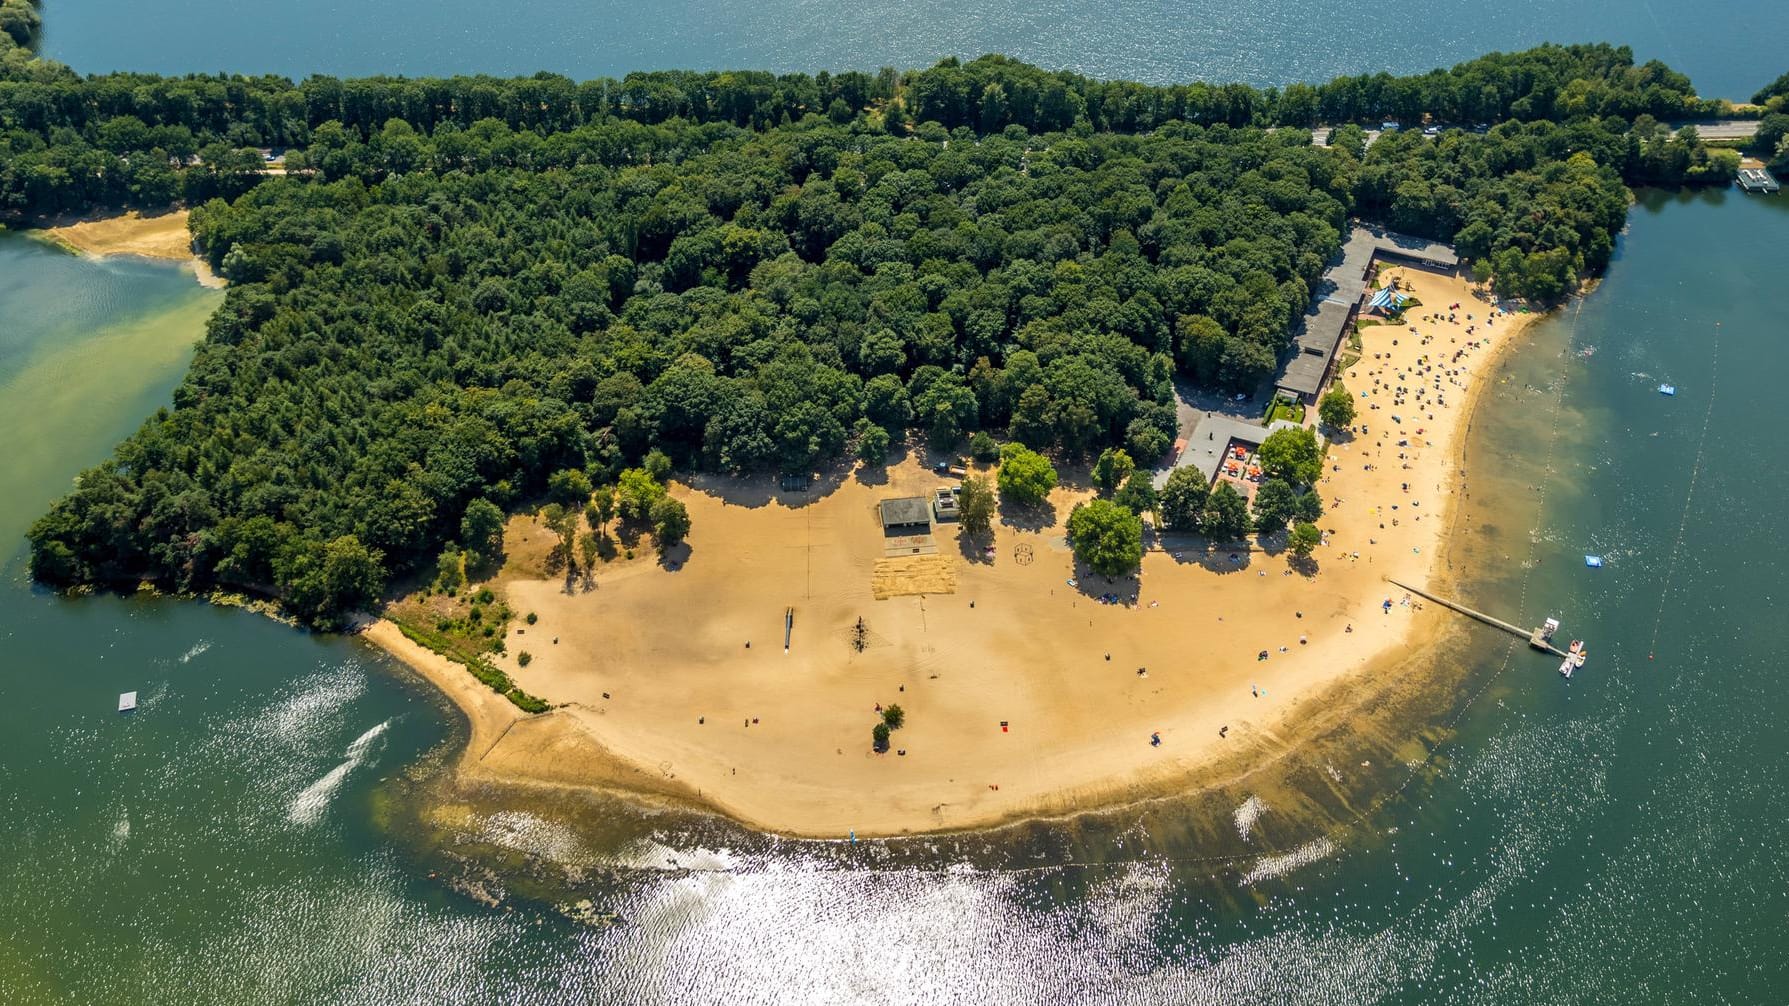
x: 160, y: 236
x: 1029, y: 689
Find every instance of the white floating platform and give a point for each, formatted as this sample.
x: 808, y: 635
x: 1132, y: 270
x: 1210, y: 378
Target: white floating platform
x: 127, y: 701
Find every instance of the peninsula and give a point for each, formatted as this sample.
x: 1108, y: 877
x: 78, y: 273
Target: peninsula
x: 826, y: 449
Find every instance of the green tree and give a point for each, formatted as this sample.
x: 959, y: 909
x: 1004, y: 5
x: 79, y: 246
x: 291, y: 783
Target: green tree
x: 1291, y: 454
x: 872, y: 442
x: 670, y: 522
x: 1112, y: 468
x: 481, y: 531
x: 568, y: 487
x: 1275, y: 504
x: 983, y: 448
x: 1304, y: 539
x: 879, y: 737
x: 894, y: 716
x: 976, y: 506
x: 1336, y: 408
x: 1106, y: 536
x: 1026, y: 477
x: 638, y: 491
x: 1226, y: 516
x: 564, y: 524
x: 1138, y: 493
x: 1182, y: 500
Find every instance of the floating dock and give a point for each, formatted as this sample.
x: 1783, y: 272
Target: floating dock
x: 1758, y: 180
x: 1539, y: 638
x: 127, y: 701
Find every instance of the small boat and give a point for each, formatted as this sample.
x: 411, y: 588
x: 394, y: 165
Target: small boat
x: 1549, y: 628
x: 1574, y: 658
x: 1594, y: 561
x: 1668, y: 389
x: 127, y: 701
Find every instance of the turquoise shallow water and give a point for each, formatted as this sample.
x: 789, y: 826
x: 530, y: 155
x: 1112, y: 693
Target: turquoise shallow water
x: 247, y: 835
x: 1725, y: 45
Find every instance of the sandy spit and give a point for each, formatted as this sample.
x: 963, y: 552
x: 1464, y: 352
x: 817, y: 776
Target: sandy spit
x: 157, y: 236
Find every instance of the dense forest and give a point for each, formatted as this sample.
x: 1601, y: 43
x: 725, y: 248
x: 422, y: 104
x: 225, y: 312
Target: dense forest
x: 462, y: 289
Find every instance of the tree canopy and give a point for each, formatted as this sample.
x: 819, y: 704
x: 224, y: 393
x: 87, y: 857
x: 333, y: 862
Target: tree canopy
x: 1292, y: 454
x: 1336, y: 408
x: 468, y: 293
x: 1106, y: 536
x: 1026, y: 477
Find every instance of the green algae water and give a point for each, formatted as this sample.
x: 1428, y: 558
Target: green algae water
x: 263, y: 829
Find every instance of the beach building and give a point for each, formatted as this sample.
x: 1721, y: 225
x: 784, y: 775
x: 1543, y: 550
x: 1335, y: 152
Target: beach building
x: 1338, y: 302
x: 1217, y: 438
x: 906, y: 515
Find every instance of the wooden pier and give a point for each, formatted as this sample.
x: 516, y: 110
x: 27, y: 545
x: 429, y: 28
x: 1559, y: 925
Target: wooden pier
x: 1534, y: 636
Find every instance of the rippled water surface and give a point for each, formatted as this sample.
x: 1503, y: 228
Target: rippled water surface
x: 264, y: 828
x: 1723, y: 44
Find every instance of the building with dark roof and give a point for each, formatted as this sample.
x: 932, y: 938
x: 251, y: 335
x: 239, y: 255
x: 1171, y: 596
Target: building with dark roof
x: 1338, y: 300
x: 906, y: 515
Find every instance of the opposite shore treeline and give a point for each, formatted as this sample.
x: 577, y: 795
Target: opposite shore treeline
x: 462, y: 288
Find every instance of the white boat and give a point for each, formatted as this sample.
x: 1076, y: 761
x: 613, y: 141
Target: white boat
x: 1551, y: 626
x: 1574, y: 658
x: 127, y: 701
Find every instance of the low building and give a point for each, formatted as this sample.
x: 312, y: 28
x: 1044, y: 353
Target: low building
x: 1338, y: 302
x: 947, y: 504
x: 906, y: 515
x: 1213, y: 438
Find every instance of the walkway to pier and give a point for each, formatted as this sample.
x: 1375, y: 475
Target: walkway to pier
x: 1532, y: 635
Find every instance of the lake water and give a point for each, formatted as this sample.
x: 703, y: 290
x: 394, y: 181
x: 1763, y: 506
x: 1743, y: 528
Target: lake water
x: 252, y: 833
x: 1724, y: 45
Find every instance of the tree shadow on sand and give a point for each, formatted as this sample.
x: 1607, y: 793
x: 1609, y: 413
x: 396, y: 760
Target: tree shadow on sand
x: 979, y: 550
x: 1028, y: 517
x: 675, y: 556
x: 761, y: 490
x: 1120, y: 590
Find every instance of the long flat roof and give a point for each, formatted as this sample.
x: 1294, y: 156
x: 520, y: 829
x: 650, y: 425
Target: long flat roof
x: 1205, y: 447
x: 1340, y: 289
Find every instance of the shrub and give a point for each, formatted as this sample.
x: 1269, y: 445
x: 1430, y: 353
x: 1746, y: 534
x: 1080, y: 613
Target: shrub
x: 524, y: 658
x: 879, y: 737
x: 894, y: 716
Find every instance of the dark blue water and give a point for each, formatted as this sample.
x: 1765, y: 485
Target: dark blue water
x: 1729, y: 47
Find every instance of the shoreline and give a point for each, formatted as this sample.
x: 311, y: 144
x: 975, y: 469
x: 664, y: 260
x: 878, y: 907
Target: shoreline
x: 162, y: 236
x: 587, y: 745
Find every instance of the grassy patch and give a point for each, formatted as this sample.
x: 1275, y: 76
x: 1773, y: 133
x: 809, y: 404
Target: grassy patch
x: 470, y: 653
x: 1284, y: 408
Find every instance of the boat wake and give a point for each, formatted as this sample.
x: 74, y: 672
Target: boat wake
x: 307, y: 807
x: 195, y: 650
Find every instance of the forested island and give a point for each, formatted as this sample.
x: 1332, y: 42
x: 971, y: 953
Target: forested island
x: 459, y: 289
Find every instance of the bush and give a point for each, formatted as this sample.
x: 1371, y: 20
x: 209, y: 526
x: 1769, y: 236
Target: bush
x: 879, y: 737
x: 524, y: 658
x: 532, y: 618
x: 894, y: 716
x: 983, y: 448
